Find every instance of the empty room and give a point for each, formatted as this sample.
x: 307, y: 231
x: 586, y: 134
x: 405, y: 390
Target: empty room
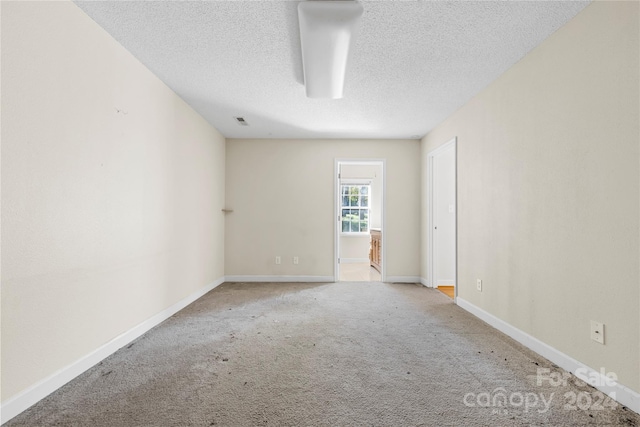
x: 320, y: 213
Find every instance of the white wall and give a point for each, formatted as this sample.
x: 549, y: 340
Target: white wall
x: 111, y: 192
x: 282, y: 194
x: 354, y: 248
x: 357, y: 246
x: 548, y: 190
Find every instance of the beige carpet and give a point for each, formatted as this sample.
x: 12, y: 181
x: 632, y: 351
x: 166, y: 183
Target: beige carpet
x: 343, y: 354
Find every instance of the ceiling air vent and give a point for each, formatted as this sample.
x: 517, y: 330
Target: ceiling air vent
x: 241, y: 121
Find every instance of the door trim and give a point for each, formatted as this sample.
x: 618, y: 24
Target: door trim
x: 336, y: 211
x: 431, y: 279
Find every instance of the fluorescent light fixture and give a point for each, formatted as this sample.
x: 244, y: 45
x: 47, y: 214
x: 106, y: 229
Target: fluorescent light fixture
x: 326, y: 35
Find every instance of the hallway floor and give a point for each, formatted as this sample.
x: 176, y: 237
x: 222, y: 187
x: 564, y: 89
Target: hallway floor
x: 449, y: 291
x: 359, y: 272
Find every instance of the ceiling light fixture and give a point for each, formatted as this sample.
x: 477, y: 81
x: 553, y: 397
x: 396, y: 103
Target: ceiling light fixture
x: 326, y: 36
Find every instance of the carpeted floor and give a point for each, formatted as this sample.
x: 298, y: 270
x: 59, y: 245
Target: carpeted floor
x: 339, y: 354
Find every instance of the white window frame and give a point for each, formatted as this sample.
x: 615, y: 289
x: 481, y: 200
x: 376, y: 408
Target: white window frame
x: 358, y: 183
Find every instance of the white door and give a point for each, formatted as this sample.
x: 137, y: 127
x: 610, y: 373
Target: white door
x: 444, y: 216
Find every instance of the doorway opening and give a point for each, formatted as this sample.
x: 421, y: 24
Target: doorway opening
x: 359, y: 220
x: 442, y: 197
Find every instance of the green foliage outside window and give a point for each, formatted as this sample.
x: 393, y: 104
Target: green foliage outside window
x: 355, y: 208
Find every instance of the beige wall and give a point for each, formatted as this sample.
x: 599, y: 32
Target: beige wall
x: 282, y: 194
x: 111, y: 192
x: 548, y: 190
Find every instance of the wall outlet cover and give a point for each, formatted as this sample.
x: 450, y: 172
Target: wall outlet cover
x: 597, y: 331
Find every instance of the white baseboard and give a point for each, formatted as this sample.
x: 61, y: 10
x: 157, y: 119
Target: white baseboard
x: 403, y: 279
x: 424, y: 282
x: 622, y: 394
x: 23, y: 400
x: 354, y: 260
x: 288, y: 279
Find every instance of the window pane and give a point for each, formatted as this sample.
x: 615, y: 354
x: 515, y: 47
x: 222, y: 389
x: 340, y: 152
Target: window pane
x: 347, y: 219
x: 354, y: 220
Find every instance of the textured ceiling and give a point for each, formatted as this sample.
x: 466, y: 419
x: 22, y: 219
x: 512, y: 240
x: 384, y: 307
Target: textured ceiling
x: 414, y: 62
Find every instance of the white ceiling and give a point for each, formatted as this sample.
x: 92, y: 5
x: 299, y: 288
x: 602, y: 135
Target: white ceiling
x: 414, y: 62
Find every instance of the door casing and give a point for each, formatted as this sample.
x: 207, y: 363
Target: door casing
x: 337, y: 214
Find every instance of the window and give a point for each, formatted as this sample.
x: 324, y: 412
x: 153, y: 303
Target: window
x: 355, y: 208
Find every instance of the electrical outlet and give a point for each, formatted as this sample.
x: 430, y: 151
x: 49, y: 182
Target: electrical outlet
x: 479, y: 285
x: 278, y: 260
x: 597, y: 331
x: 295, y: 260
